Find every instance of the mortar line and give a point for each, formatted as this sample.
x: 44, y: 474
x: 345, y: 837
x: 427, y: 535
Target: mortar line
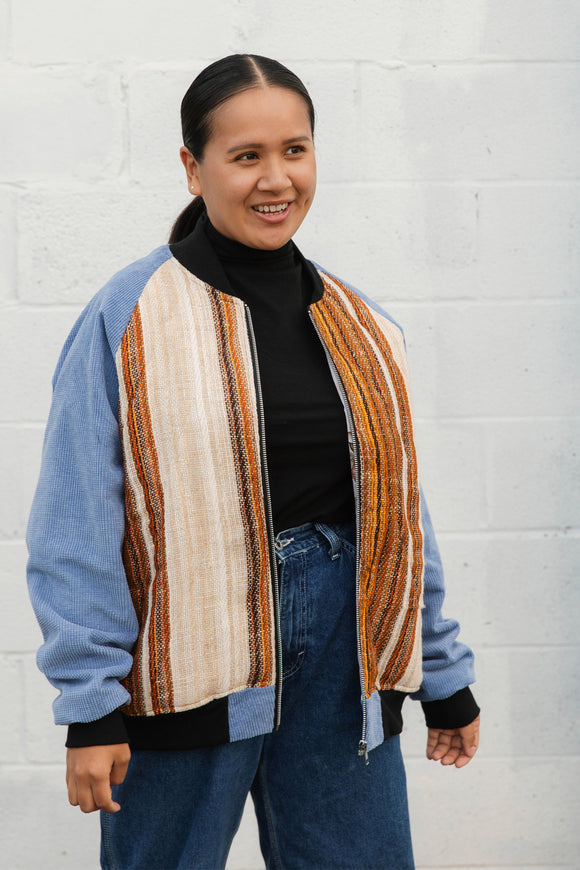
x: 380, y: 183
x: 10, y: 37
x: 525, y: 648
x: 526, y: 759
x: 507, y: 534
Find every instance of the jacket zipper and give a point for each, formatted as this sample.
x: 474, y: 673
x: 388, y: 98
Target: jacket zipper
x: 269, y: 520
x: 363, y: 743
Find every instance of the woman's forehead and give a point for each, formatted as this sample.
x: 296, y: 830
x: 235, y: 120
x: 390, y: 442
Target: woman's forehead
x: 261, y: 113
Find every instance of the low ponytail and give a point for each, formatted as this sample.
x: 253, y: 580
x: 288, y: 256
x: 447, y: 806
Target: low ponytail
x: 186, y: 221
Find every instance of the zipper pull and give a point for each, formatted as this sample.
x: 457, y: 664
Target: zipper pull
x: 363, y: 750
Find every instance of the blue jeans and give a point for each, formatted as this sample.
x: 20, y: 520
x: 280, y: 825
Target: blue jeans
x: 319, y: 807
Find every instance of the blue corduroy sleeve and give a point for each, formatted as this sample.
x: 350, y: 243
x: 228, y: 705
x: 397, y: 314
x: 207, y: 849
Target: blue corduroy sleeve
x: 76, y: 577
x: 447, y: 663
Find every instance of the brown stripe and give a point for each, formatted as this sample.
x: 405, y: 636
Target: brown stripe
x: 241, y: 418
x: 137, y: 571
x: 144, y: 454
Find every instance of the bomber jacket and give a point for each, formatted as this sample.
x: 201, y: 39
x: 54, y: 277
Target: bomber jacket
x: 152, y: 567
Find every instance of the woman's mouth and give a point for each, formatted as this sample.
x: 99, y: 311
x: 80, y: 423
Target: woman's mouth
x: 272, y: 212
x: 271, y: 209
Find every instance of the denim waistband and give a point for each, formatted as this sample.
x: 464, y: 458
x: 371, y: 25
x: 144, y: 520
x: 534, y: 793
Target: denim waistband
x: 308, y: 535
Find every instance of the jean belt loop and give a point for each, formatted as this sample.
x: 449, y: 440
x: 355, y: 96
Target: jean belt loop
x: 332, y: 538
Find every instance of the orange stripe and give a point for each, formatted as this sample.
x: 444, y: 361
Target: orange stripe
x: 142, y: 444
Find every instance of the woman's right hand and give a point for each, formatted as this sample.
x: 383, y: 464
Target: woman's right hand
x: 90, y: 773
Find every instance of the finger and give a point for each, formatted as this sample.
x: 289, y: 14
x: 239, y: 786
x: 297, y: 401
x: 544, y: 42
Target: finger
x: 442, y: 746
x: 470, y: 737
x: 119, y: 770
x: 448, y: 750
x: 85, y: 799
x: 431, y: 744
x: 451, y: 756
x: 433, y: 741
x: 71, y: 785
x: 439, y: 752
x: 103, y: 798
x: 463, y: 760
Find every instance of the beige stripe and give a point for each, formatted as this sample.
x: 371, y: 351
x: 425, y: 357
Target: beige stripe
x: 412, y: 677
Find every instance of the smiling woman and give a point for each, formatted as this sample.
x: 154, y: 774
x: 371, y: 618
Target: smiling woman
x: 231, y: 557
x: 257, y: 174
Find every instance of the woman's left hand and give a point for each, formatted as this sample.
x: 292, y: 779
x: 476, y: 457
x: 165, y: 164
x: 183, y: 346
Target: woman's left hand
x: 453, y: 746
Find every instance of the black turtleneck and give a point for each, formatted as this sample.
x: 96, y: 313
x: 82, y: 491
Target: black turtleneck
x: 306, y: 438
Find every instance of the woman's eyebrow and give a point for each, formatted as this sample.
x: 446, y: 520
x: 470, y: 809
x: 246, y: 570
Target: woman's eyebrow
x: 255, y: 145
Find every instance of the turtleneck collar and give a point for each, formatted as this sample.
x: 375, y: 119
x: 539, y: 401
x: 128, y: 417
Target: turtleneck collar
x: 197, y: 254
x: 229, y: 250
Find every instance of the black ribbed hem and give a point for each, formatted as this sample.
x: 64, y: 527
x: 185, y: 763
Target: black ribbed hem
x: 192, y: 729
x: 103, y: 732
x: 456, y: 711
x: 392, y: 711
x: 208, y: 725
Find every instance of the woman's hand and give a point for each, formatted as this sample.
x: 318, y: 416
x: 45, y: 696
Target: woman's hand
x: 90, y: 773
x: 453, y: 746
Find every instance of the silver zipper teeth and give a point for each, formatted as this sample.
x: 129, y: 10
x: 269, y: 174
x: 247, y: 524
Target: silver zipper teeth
x: 363, y: 745
x: 269, y: 521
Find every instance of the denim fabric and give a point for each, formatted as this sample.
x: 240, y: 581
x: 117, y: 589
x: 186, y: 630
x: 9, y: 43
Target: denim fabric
x: 319, y: 807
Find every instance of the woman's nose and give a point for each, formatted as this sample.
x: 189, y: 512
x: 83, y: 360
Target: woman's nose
x: 274, y: 177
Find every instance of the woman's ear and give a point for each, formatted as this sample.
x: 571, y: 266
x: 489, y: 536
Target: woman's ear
x: 191, y: 169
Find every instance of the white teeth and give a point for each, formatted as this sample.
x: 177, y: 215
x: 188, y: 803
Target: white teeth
x: 271, y: 209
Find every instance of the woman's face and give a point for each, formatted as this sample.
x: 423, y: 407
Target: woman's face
x: 258, y: 171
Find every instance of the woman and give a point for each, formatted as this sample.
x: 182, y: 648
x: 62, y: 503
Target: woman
x: 229, y: 549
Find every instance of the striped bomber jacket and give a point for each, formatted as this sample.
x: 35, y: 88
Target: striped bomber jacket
x: 152, y: 569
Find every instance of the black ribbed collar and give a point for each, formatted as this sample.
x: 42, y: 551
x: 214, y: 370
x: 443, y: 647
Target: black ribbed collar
x: 230, y: 251
x: 197, y: 254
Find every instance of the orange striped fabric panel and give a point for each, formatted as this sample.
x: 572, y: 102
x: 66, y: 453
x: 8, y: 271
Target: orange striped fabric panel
x: 370, y: 361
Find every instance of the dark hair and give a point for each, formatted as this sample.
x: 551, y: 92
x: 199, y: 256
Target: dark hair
x: 213, y: 86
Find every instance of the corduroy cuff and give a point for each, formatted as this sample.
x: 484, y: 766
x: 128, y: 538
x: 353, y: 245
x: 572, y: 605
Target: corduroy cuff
x: 103, y: 732
x: 454, y: 712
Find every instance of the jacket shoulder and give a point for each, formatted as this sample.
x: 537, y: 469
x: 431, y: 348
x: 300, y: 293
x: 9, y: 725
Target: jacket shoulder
x: 371, y: 303
x: 109, y: 311
x: 119, y: 296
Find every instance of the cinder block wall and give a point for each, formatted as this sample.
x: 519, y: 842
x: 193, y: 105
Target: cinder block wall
x: 448, y: 154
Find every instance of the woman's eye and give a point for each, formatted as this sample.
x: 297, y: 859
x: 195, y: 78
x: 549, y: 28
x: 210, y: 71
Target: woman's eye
x: 248, y: 155
x: 296, y: 149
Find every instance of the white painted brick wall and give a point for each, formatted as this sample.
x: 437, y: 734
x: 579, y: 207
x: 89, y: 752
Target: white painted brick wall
x: 39, y: 105
x: 448, y: 144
